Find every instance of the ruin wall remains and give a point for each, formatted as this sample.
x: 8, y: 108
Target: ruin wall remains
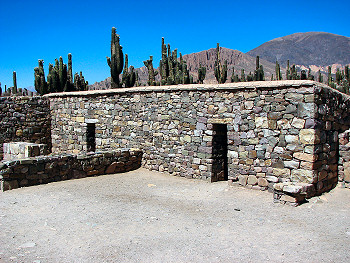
x: 281, y: 131
x: 24, y: 119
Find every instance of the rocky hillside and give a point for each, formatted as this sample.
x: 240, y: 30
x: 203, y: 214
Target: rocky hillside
x: 234, y: 58
x: 312, y: 48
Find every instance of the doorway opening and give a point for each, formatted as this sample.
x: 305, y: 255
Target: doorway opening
x: 219, y: 153
x: 91, y: 137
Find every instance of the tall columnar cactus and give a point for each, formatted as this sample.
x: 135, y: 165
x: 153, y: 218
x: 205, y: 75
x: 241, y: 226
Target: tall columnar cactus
x: 39, y: 78
x: 309, y: 75
x: 303, y: 75
x: 220, y: 70
x: 14, y: 75
x: 330, y: 79
x: 164, y: 64
x: 70, y: 69
x: 259, y: 71
x: 79, y: 82
x: 278, y: 71
x: 202, y: 71
x: 171, y: 70
x: 242, y: 79
x: 347, y: 72
x: 60, y: 78
x: 151, y: 72
x: 320, y: 77
x: 116, y: 61
x: 338, y: 76
x: 288, y: 76
x: 250, y: 77
x: 0, y: 90
x: 129, y: 75
x: 294, y: 73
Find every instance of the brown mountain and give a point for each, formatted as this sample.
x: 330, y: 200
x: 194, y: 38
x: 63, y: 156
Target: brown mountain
x: 311, y: 48
x: 234, y: 58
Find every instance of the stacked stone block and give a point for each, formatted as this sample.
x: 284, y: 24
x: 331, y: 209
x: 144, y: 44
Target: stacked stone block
x: 24, y: 119
x: 20, y: 150
x: 46, y: 169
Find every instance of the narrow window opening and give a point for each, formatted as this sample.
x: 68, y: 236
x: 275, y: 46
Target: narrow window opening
x: 91, y: 137
x: 219, y: 153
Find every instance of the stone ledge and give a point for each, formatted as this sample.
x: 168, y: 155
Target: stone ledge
x: 51, y: 168
x: 195, y: 87
x: 292, y: 193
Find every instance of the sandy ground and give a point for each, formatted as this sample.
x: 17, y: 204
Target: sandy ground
x: 144, y: 216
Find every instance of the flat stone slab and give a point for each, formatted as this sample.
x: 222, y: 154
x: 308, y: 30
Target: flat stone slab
x: 20, y: 150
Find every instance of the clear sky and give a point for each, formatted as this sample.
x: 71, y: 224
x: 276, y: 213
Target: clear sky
x: 32, y: 30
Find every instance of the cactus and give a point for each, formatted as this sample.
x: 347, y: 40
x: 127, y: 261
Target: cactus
x: 70, y: 70
x: 151, y: 72
x: 288, y: 76
x: 116, y: 62
x: 330, y: 79
x: 242, y: 79
x: 171, y: 70
x: 347, y: 72
x: 250, y: 77
x: 60, y: 78
x: 320, y: 77
x: 220, y: 70
x: 164, y: 64
x: 278, y: 71
x: 40, y: 83
x: 303, y: 75
x: 201, y: 73
x: 259, y: 71
x: 129, y: 75
x: 338, y: 76
x: 14, y: 89
x: 0, y: 90
x: 309, y: 75
x: 294, y: 73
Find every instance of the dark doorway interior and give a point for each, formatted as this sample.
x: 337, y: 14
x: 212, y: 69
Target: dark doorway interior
x: 219, y: 153
x: 91, y: 137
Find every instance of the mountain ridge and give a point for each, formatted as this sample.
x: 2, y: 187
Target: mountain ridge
x: 315, y: 50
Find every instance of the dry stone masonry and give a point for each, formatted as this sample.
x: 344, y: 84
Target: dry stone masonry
x: 281, y: 136
x: 344, y: 159
x: 46, y: 169
x: 24, y: 119
x: 282, y: 132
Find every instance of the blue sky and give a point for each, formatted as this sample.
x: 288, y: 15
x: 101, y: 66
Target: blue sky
x: 32, y: 30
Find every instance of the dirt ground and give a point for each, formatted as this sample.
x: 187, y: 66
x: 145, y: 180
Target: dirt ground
x: 144, y: 216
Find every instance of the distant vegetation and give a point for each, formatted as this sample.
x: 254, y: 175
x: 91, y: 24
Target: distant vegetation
x: 171, y: 71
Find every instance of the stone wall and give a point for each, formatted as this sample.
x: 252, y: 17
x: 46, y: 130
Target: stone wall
x: 46, y: 169
x: 344, y: 159
x: 277, y: 132
x: 24, y: 119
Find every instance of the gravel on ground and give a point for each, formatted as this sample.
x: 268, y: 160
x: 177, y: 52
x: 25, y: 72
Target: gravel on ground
x: 144, y: 216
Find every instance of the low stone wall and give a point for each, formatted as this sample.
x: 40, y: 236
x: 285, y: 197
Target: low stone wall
x: 24, y: 119
x: 344, y: 159
x: 46, y: 169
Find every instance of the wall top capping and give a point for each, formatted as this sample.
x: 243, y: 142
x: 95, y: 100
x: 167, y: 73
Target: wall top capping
x: 194, y: 87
